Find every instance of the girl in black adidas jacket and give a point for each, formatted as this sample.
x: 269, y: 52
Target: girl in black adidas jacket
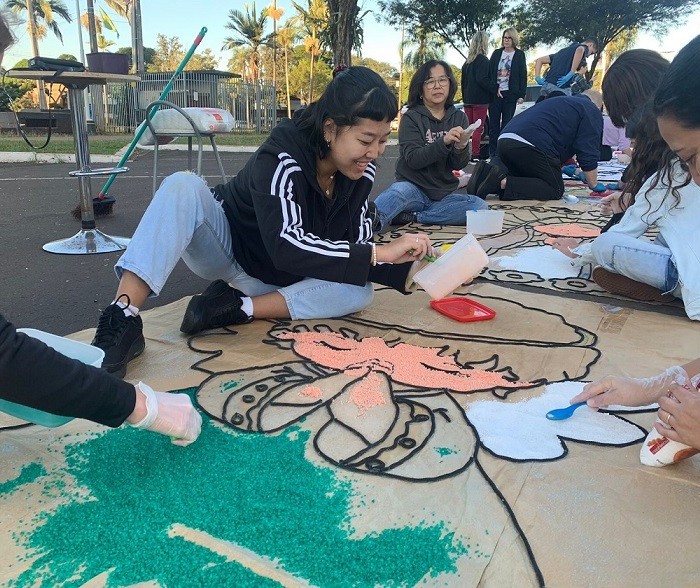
x: 291, y: 232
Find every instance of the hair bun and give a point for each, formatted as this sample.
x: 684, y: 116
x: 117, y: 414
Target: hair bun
x: 338, y: 68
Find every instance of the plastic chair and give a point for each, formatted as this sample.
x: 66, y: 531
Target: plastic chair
x: 159, y: 130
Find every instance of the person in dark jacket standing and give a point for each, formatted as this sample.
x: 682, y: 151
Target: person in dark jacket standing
x: 433, y: 141
x: 477, y: 86
x: 35, y: 375
x: 291, y: 231
x: 508, y: 70
x: 534, y: 144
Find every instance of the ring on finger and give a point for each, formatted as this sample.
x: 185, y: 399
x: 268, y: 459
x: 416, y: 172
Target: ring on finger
x: 668, y: 418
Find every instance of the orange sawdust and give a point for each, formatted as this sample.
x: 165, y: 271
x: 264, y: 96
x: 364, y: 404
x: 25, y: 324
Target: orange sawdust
x: 367, y: 394
x: 311, y: 392
x: 404, y: 363
x: 568, y: 230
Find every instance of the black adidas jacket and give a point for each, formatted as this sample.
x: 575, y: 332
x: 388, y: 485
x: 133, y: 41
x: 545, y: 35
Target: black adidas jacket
x: 284, y: 229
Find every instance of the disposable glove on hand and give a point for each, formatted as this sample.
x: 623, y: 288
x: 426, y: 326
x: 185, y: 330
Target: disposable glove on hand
x: 170, y: 414
x: 563, y: 79
x: 599, y: 187
x: 631, y: 391
x: 539, y: 80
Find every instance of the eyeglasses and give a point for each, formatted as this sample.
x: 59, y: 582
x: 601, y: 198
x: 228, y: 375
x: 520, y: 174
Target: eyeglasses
x: 507, y: 38
x: 432, y: 82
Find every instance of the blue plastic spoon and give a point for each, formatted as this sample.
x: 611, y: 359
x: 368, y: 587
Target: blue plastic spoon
x: 559, y: 414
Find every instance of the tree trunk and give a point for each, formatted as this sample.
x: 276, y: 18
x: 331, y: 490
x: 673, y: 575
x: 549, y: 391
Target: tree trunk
x: 343, y: 16
x: 92, y: 29
x: 31, y: 21
x: 286, y: 78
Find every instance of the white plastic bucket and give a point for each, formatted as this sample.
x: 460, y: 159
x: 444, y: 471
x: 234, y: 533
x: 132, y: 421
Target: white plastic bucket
x: 74, y: 349
x: 485, y: 222
x: 460, y: 263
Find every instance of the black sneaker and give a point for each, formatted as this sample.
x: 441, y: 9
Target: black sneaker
x: 373, y: 215
x: 491, y: 184
x: 481, y: 169
x: 218, y: 306
x: 120, y: 337
x: 403, y: 218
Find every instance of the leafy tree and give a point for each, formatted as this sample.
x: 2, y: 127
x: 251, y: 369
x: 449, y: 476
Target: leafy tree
x: 388, y: 72
x: 68, y: 57
x: 249, y: 29
x: 12, y: 97
x: 204, y: 60
x: 299, y: 76
x: 149, y: 54
x: 169, y: 53
x: 314, y: 21
x: 455, y: 21
x: 423, y: 47
x: 45, y: 12
x: 554, y: 21
x: 286, y: 37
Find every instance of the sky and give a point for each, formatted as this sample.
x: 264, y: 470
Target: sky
x: 178, y: 18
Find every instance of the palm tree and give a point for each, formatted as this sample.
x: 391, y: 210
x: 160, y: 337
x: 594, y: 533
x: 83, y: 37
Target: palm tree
x: 40, y: 20
x: 315, y: 22
x: 103, y: 21
x: 286, y: 37
x: 250, y: 32
x: 424, y: 47
x: 44, y: 13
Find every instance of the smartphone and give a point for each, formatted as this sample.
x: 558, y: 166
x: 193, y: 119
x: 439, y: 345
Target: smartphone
x: 475, y: 125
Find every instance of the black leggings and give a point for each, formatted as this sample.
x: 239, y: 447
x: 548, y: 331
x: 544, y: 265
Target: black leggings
x: 531, y: 175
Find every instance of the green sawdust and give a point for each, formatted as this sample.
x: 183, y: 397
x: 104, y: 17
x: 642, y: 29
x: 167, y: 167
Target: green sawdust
x: 29, y: 474
x: 256, y: 491
x: 443, y: 451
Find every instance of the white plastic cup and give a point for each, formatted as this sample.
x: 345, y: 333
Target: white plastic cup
x: 485, y: 222
x: 75, y: 350
x: 459, y: 264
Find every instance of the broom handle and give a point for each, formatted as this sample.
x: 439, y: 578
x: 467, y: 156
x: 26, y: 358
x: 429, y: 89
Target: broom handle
x: 163, y: 95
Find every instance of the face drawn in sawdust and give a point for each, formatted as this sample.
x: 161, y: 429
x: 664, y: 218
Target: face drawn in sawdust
x: 385, y: 398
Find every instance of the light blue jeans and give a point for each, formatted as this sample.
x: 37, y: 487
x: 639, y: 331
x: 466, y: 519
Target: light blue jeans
x: 638, y: 259
x: 407, y: 197
x: 184, y: 220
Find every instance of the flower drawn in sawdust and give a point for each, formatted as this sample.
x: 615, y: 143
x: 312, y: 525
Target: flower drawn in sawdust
x: 389, y: 406
x: 520, y: 432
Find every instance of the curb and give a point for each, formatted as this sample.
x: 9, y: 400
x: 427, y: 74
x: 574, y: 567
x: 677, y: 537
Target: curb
x: 34, y: 157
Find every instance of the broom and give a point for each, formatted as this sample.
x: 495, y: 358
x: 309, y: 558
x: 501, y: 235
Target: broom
x: 103, y: 204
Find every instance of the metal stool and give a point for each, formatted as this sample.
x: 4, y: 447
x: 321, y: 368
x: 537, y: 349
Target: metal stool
x: 157, y: 132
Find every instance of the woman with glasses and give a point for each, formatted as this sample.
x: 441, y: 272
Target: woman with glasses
x: 433, y: 142
x: 509, y: 73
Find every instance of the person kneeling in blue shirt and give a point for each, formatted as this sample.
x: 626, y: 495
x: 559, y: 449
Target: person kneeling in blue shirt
x: 534, y: 144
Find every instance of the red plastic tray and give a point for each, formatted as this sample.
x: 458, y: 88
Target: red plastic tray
x: 463, y: 309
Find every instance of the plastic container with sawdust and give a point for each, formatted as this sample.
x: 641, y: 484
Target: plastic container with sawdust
x: 459, y: 264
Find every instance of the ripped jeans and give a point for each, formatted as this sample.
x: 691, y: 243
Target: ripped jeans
x: 185, y: 221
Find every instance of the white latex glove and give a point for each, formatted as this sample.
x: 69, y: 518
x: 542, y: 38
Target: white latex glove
x: 631, y: 391
x: 170, y: 414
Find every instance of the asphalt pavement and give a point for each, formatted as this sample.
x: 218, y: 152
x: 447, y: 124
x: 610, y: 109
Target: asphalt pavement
x: 65, y: 293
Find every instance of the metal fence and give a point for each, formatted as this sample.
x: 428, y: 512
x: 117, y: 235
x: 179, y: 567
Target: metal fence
x: 122, y: 107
